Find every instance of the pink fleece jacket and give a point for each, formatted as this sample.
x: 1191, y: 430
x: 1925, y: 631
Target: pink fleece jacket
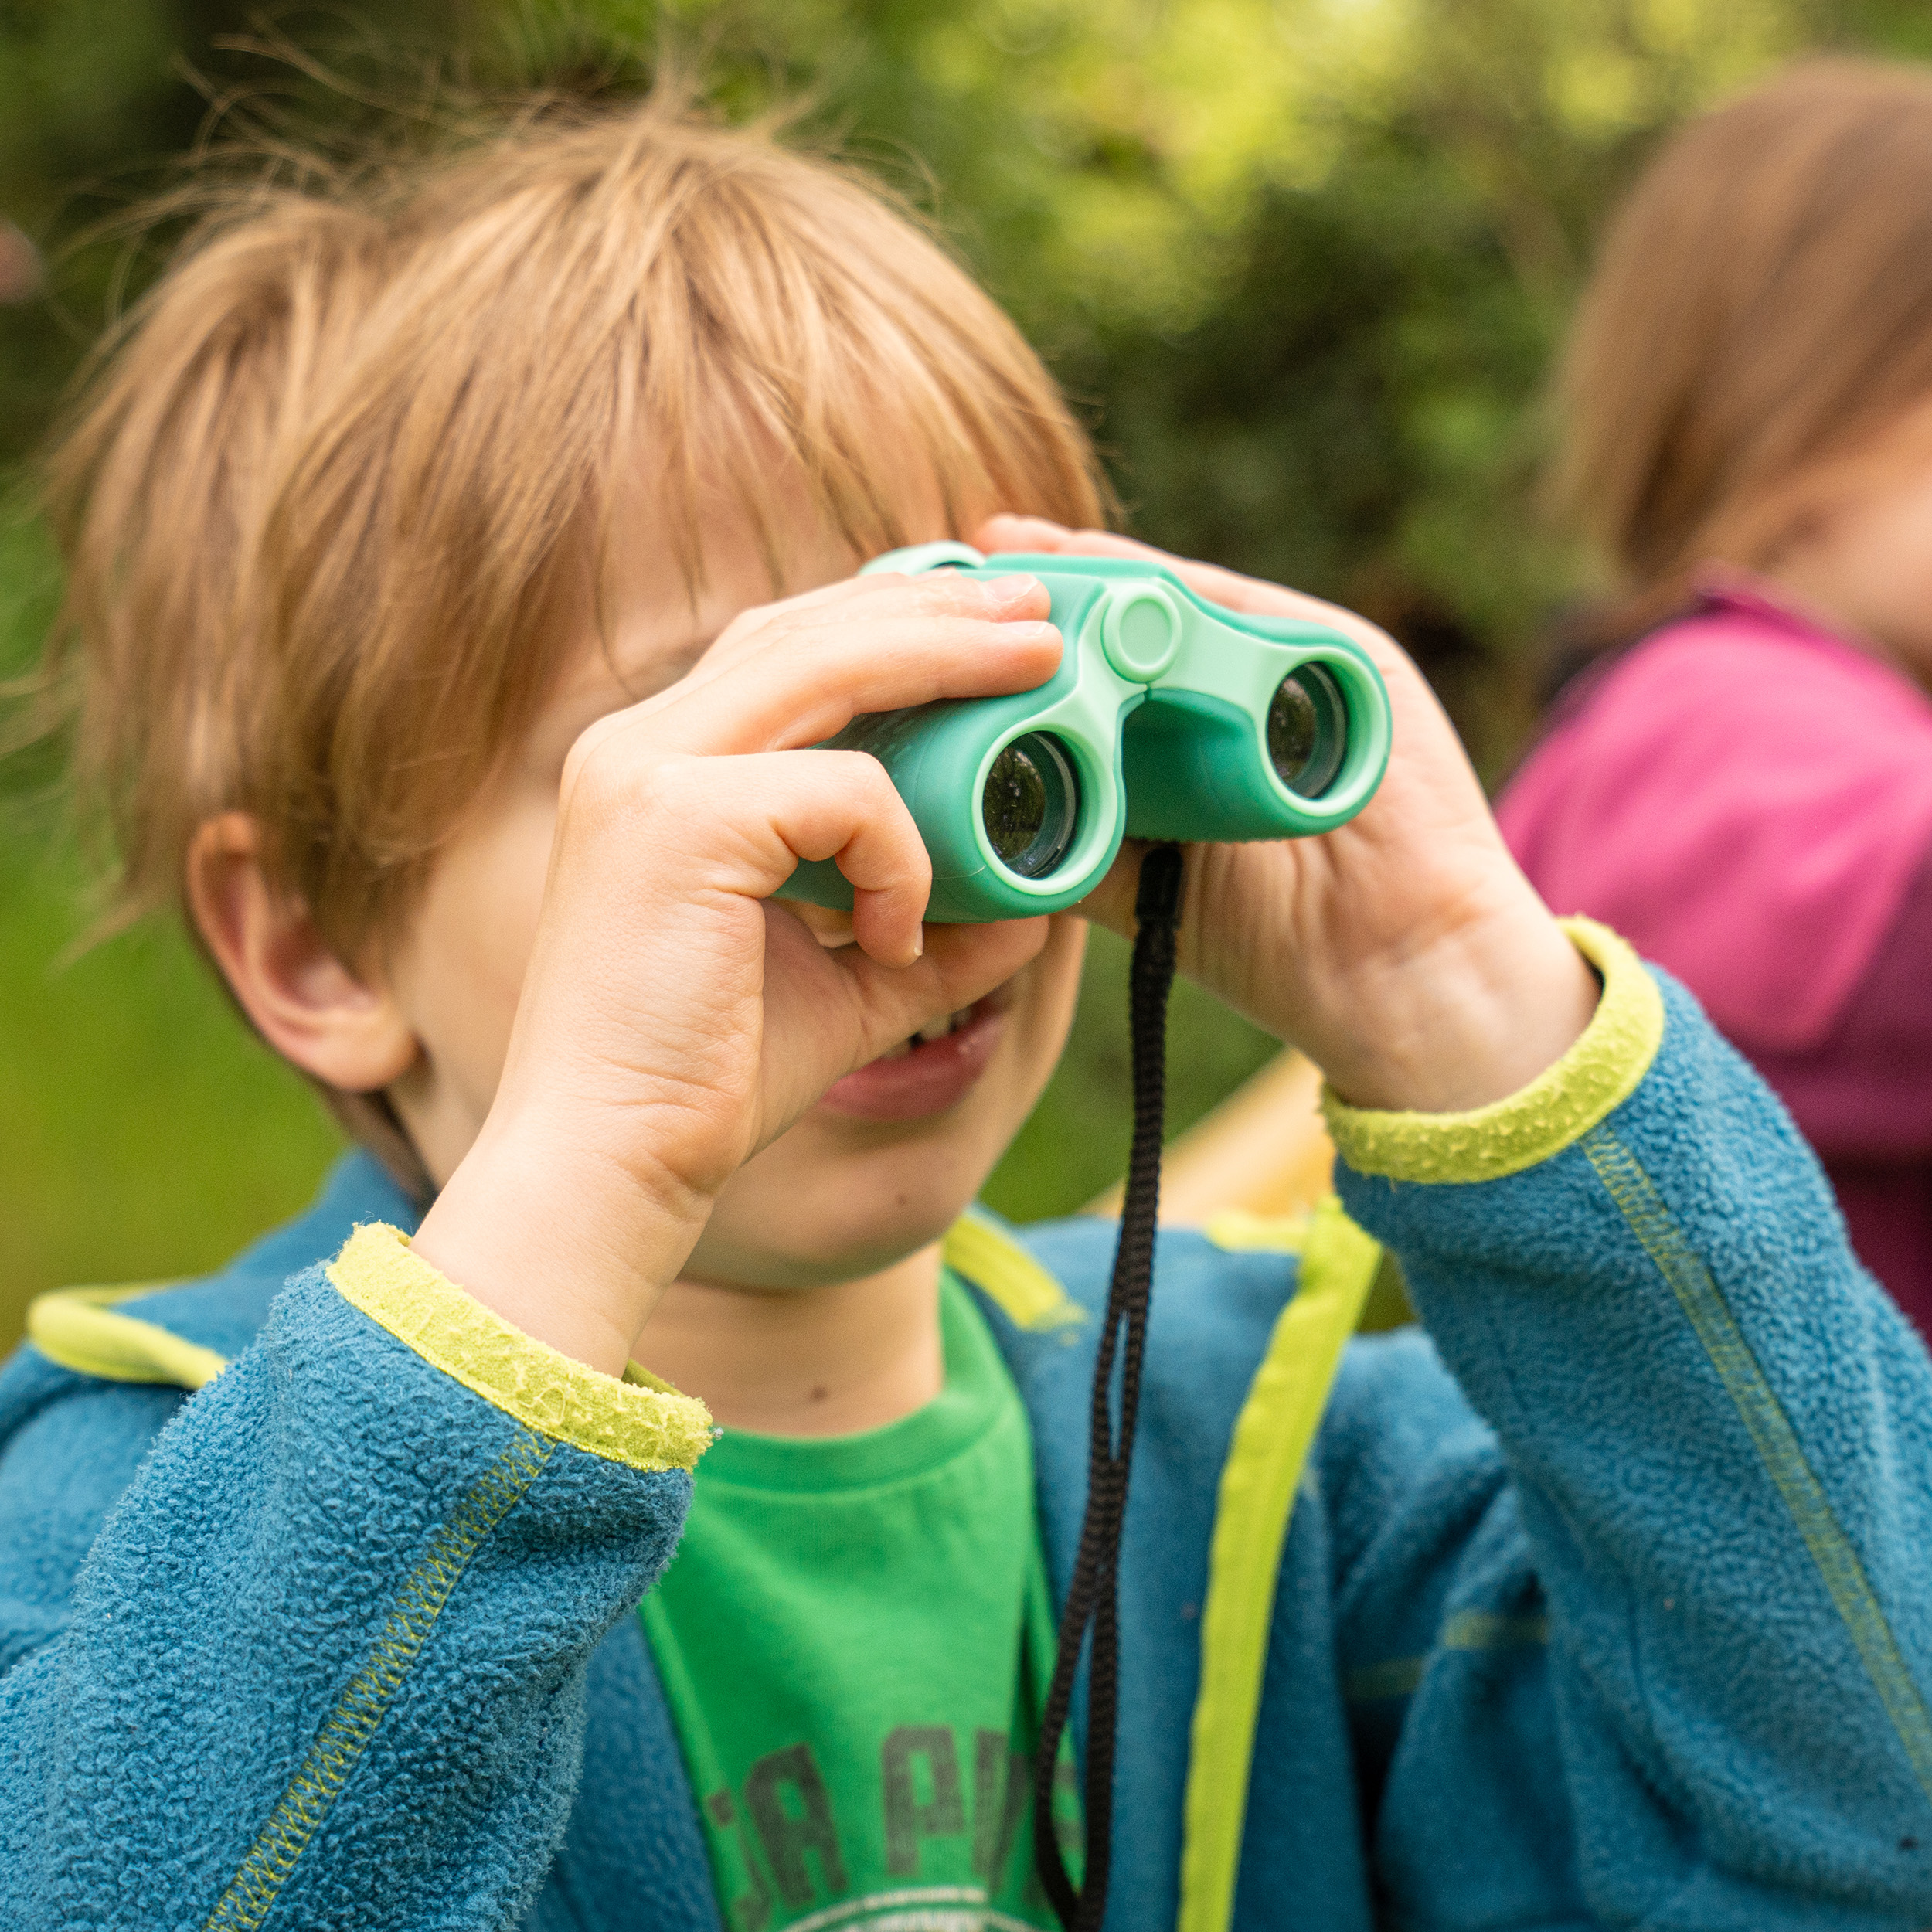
x: 1749, y: 800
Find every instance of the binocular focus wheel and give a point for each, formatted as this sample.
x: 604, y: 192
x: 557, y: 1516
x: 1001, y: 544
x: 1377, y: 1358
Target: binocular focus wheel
x: 1140, y: 632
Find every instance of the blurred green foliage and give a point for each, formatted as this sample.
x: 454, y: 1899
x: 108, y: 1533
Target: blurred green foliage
x: 1305, y: 263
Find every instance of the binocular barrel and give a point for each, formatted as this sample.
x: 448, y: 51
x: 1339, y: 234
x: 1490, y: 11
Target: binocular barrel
x: 1169, y: 718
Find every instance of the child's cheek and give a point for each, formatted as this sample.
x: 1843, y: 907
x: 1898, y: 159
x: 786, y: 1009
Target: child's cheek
x: 462, y: 971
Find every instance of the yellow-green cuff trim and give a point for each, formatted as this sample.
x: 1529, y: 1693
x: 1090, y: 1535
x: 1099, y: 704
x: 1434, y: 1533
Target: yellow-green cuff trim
x: 639, y: 1420
x: 1556, y: 1109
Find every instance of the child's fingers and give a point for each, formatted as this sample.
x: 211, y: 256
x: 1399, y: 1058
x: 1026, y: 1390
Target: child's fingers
x: 1038, y: 533
x: 740, y: 825
x: 804, y: 687
x: 1229, y: 589
x: 1007, y: 531
x: 858, y: 600
x: 1110, y: 903
x: 881, y: 851
x: 775, y: 636
x: 961, y: 964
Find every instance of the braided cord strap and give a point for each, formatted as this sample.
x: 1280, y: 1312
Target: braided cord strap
x: 1092, y: 1600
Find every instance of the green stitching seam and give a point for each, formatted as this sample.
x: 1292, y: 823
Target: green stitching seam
x: 1483, y: 1630
x: 1373, y: 1683
x: 1467, y: 1630
x: 360, y: 1710
x: 1774, y: 1438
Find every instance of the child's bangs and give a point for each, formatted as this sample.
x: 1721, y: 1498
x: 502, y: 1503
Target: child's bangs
x: 874, y: 462
x: 817, y: 341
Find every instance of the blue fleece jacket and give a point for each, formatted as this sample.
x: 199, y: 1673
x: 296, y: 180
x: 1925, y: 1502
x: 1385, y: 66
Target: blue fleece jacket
x: 1606, y: 1603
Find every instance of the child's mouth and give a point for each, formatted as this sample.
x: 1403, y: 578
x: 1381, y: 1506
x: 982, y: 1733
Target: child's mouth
x: 926, y: 1074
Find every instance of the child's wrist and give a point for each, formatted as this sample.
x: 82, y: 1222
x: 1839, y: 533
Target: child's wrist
x: 579, y: 1264
x: 1470, y: 1021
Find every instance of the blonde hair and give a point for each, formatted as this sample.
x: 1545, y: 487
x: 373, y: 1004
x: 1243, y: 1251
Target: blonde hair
x: 1757, y: 335
x: 322, y: 498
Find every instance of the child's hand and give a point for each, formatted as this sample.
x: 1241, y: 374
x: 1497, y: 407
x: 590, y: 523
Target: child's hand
x: 1405, y: 953
x: 672, y: 1021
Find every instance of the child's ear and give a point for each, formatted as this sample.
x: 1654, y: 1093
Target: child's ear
x: 347, y: 1032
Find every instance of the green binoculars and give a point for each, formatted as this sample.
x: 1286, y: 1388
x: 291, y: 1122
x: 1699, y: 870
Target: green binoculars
x: 1169, y: 718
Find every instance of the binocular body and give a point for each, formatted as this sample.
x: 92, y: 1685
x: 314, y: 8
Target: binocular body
x: 1169, y: 718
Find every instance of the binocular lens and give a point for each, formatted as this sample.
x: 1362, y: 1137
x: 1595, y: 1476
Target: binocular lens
x: 1307, y: 730
x: 1031, y: 805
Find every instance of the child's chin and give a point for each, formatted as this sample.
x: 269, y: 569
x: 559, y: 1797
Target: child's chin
x: 801, y: 1245
x: 931, y: 1078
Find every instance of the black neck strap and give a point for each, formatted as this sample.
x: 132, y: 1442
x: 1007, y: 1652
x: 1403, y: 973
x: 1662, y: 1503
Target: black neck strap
x: 1092, y: 1600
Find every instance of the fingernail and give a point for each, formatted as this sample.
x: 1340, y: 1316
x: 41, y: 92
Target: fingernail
x: 1006, y: 592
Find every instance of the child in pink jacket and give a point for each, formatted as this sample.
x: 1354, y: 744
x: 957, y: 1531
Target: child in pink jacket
x: 1741, y: 781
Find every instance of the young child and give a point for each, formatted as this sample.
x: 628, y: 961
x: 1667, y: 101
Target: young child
x: 461, y: 568
x: 1746, y: 791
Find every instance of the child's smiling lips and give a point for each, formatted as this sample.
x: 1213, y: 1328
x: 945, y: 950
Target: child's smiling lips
x: 928, y: 1074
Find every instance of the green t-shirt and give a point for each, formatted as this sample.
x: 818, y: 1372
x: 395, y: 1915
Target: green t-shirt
x: 855, y: 1639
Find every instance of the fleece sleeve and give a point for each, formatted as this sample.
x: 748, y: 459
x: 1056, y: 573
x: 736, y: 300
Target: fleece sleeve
x: 325, y: 1662
x: 1685, y: 1630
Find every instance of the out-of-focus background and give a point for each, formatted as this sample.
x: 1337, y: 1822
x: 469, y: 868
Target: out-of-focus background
x: 1303, y: 264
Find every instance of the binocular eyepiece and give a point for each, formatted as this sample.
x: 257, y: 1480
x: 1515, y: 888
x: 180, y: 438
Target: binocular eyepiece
x: 1307, y: 730
x: 1169, y: 718
x: 1030, y: 805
